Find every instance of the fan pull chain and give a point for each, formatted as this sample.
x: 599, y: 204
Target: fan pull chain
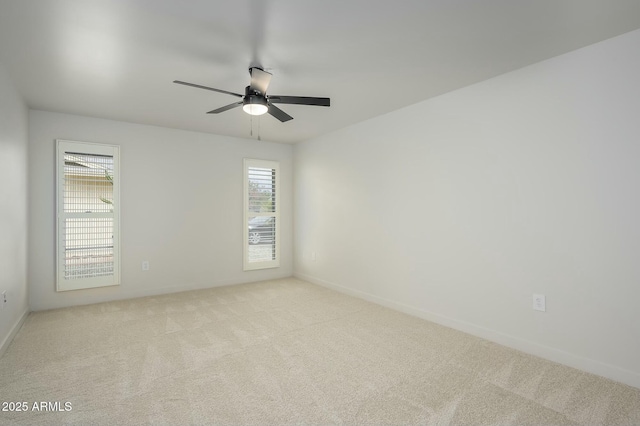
x: 259, y: 121
x: 251, y: 125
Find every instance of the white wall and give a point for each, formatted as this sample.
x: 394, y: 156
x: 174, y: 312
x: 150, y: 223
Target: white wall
x: 459, y: 208
x: 13, y: 209
x: 181, y: 207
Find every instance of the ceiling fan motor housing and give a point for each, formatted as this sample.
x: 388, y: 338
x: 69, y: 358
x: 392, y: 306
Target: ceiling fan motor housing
x: 254, y: 102
x: 249, y: 92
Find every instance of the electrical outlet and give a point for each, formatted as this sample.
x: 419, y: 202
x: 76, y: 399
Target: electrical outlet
x: 539, y: 303
x: 145, y: 265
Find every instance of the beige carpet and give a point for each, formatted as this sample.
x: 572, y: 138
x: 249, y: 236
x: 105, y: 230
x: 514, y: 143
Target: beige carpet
x: 284, y: 352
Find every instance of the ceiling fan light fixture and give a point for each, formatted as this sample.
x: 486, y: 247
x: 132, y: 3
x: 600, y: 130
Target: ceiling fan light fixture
x: 255, y: 105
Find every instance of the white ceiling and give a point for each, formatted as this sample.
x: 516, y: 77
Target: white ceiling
x: 117, y: 59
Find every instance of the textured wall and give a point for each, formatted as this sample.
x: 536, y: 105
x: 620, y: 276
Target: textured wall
x: 181, y: 210
x: 13, y: 207
x: 461, y: 207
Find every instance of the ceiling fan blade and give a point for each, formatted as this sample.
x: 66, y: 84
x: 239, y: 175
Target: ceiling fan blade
x: 259, y: 79
x: 207, y: 88
x: 300, y: 100
x: 225, y: 108
x: 278, y: 113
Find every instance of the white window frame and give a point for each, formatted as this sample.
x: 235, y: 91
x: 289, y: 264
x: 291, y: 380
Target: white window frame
x: 63, y: 146
x: 250, y: 266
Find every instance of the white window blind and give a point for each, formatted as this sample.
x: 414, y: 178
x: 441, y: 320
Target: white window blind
x: 87, y: 215
x: 261, y: 214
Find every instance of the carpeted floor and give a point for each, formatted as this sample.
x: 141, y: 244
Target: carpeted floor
x: 283, y: 352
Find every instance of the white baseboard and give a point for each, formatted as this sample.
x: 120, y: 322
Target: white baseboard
x: 599, y: 368
x: 122, y: 292
x: 14, y: 330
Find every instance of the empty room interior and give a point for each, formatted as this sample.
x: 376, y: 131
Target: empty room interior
x: 329, y: 212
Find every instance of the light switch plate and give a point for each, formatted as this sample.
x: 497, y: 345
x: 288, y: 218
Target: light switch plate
x: 539, y: 303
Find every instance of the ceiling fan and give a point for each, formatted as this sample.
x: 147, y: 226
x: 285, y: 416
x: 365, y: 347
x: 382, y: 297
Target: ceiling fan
x: 255, y: 100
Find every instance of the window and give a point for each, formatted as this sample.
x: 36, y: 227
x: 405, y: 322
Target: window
x: 88, y: 205
x: 261, y: 214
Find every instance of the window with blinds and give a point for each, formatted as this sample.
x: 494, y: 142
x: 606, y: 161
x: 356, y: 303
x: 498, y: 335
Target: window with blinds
x: 261, y: 214
x: 87, y: 215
